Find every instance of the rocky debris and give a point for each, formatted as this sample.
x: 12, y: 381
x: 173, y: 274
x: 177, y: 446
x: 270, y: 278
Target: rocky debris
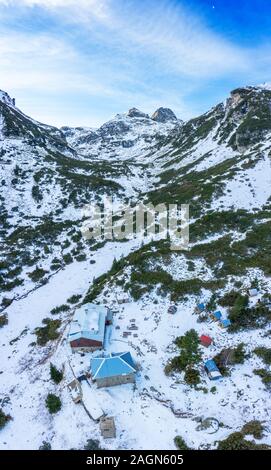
x: 113, y: 128
x: 164, y: 115
x: 210, y: 423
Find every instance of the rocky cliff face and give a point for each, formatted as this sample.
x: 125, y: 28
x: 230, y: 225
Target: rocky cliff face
x: 134, y: 130
x: 5, y: 98
x: 164, y: 115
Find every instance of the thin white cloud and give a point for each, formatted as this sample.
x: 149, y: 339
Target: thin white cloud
x: 167, y: 32
x: 170, y: 36
x: 131, y: 51
x: 45, y: 63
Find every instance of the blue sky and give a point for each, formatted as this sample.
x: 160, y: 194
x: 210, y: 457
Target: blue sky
x: 79, y: 62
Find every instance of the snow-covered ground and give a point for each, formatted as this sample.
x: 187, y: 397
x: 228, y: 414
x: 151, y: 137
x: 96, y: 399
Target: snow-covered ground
x: 24, y: 369
x: 249, y: 189
x: 142, y: 412
x: 133, y: 152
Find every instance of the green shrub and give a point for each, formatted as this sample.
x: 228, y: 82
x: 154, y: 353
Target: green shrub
x: 55, y: 267
x: 92, y: 444
x: 3, y: 320
x: 239, y: 354
x: 6, y: 302
x: 4, y: 419
x: 236, y: 441
x: 180, y: 443
x: 264, y: 354
x: 81, y: 257
x: 189, y: 355
x: 254, y: 428
x: 242, y: 316
x: 192, y: 377
x: 66, y: 244
x: 56, y: 375
x: 211, y: 305
x: 53, y: 403
x: 37, y: 274
x: 67, y: 258
x: 239, y: 308
x: 45, y: 446
x: 74, y: 299
x: 265, y: 376
x: 48, y: 332
x: 37, y: 194
x: 47, y: 250
x: 229, y: 299
x: 230, y: 356
x: 60, y: 309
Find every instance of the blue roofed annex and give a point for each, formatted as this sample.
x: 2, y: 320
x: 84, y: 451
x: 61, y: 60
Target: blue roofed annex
x: 112, y: 365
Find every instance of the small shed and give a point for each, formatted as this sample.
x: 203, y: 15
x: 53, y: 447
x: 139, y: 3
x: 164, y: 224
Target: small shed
x: 200, y: 308
x: 212, y: 370
x: 225, y: 323
x: 206, y: 340
x: 75, y: 390
x: 172, y: 309
x: 108, y: 427
x: 216, y: 315
x: 253, y: 292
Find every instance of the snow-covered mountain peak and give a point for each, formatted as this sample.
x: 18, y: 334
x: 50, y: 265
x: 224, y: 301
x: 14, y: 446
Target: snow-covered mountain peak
x: 130, y: 135
x: 5, y: 98
x: 134, y: 112
x: 265, y: 86
x: 164, y: 115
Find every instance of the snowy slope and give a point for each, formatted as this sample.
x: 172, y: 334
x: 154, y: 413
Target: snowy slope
x: 219, y: 163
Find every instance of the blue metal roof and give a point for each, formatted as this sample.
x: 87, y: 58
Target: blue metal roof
x: 88, y: 322
x: 112, y: 365
x: 201, y: 306
x: 211, y: 366
x: 226, y: 322
x: 218, y: 315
